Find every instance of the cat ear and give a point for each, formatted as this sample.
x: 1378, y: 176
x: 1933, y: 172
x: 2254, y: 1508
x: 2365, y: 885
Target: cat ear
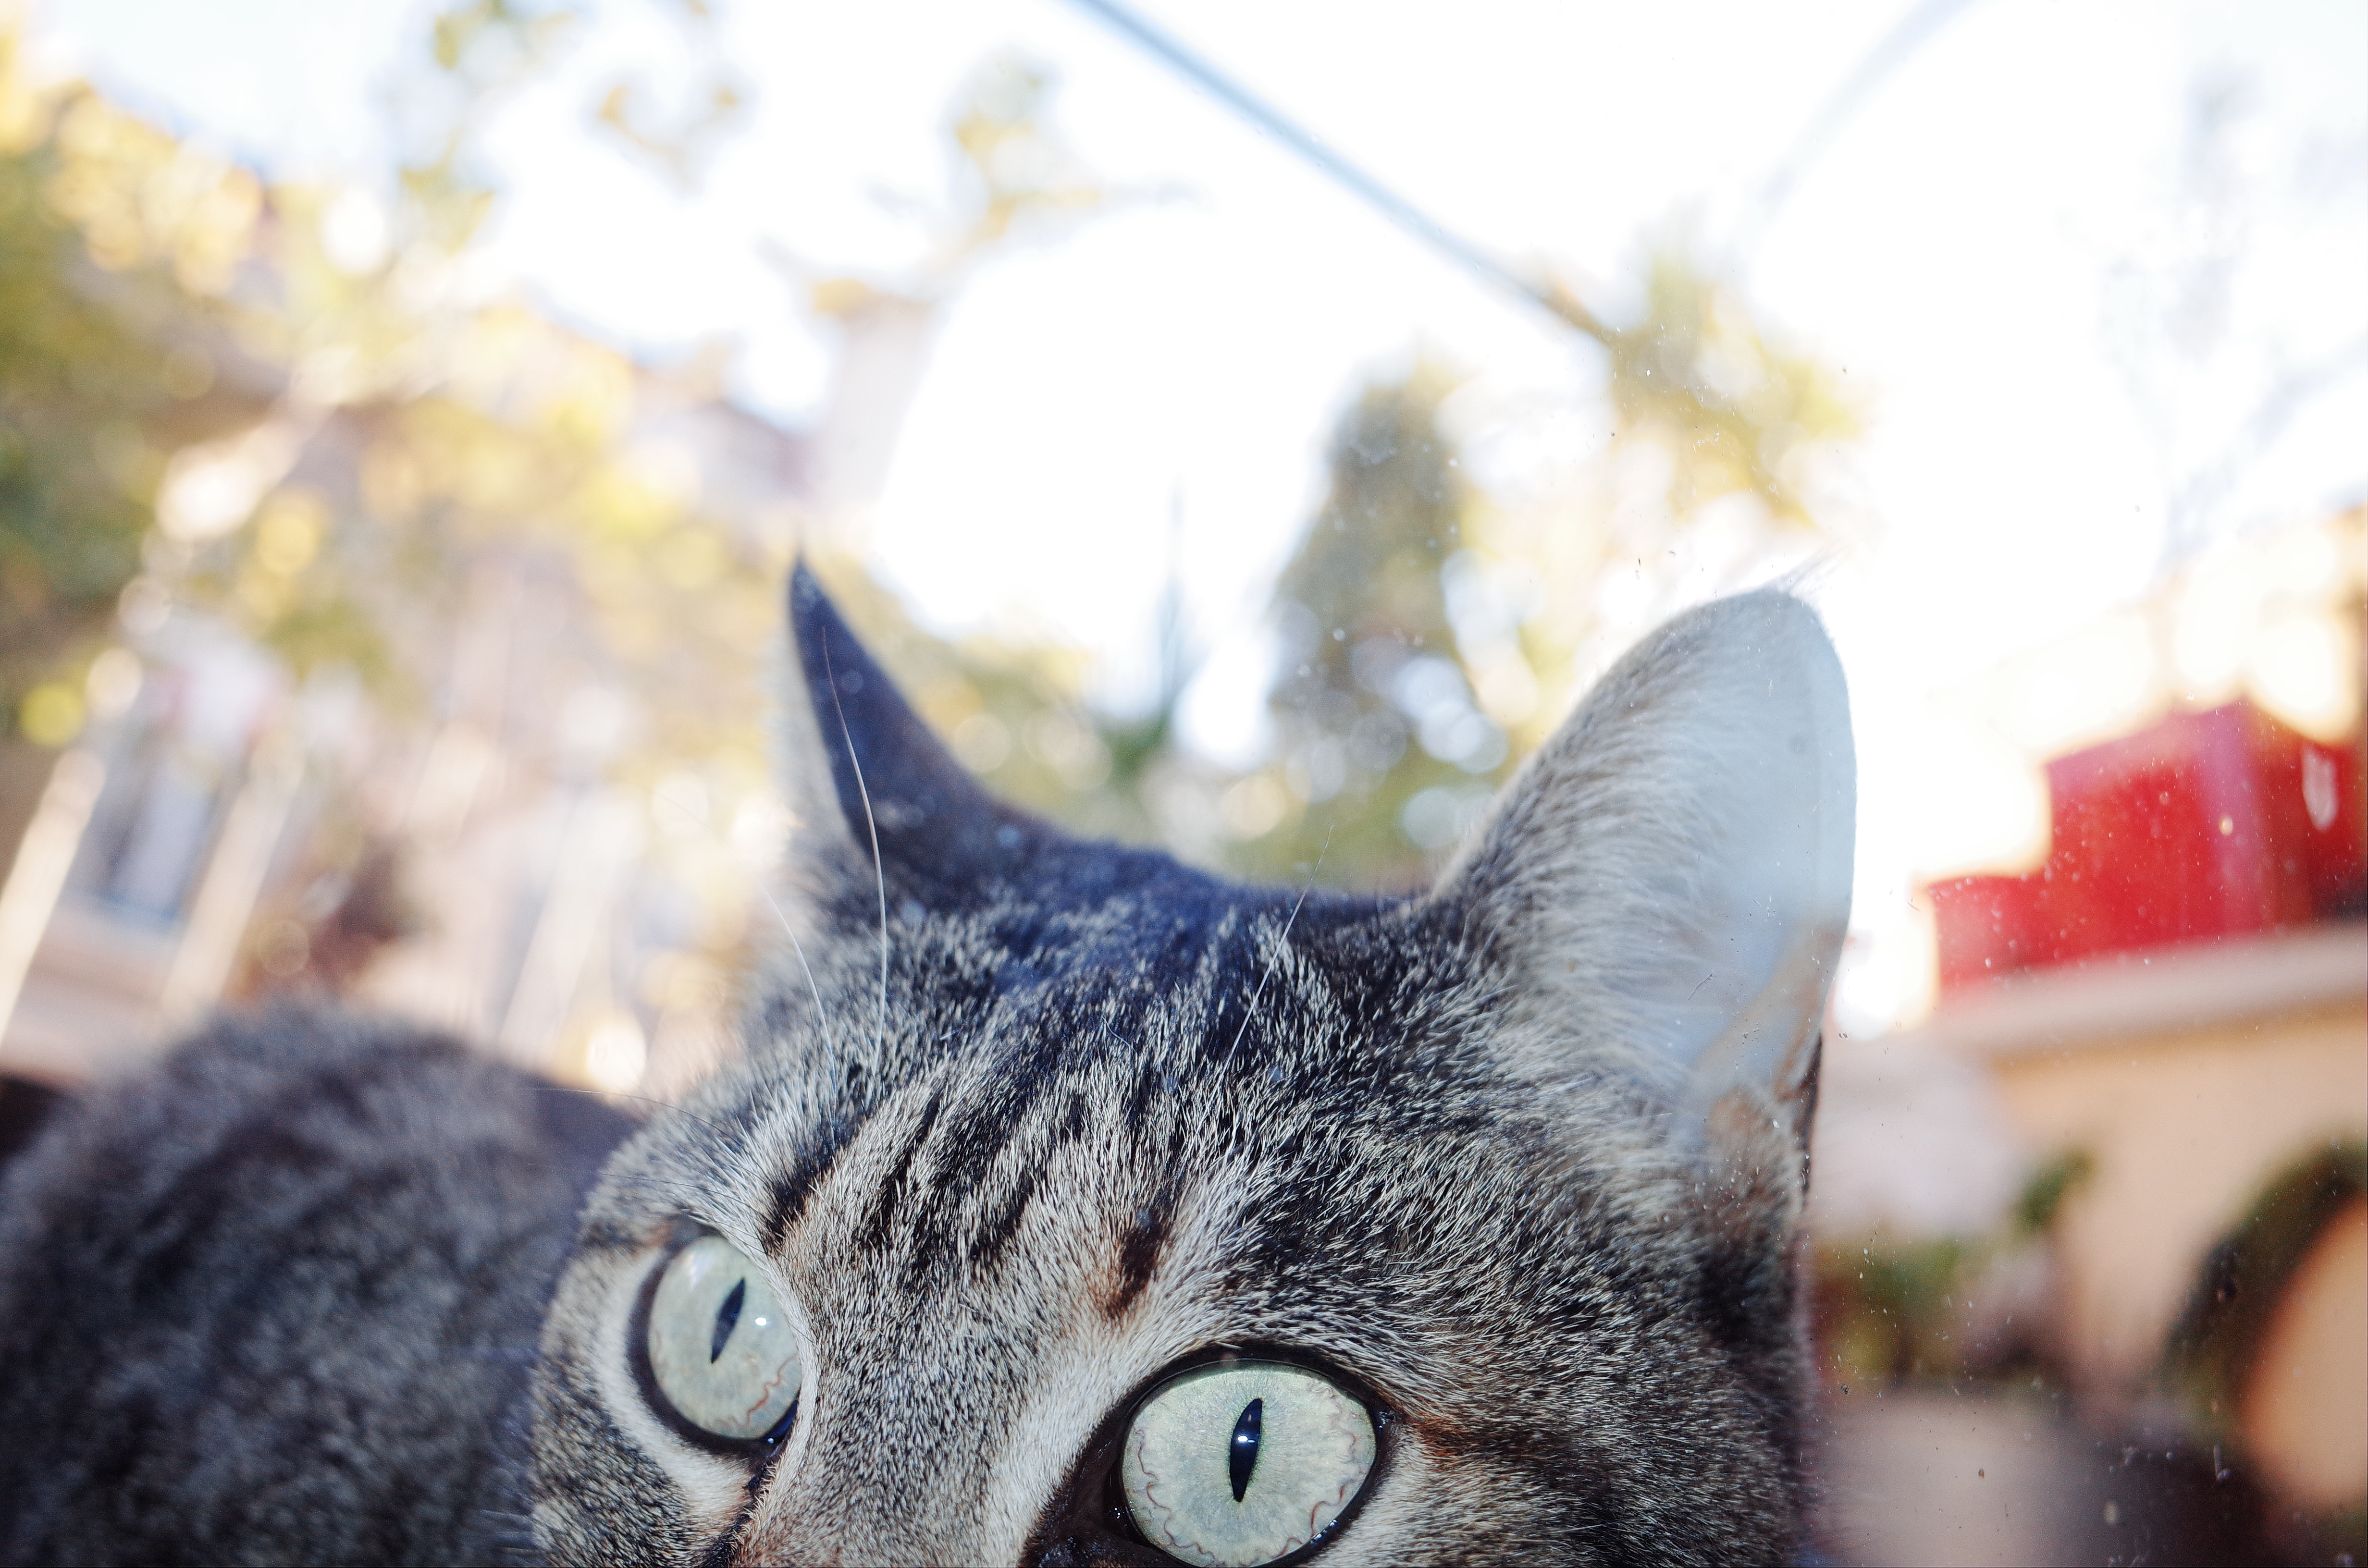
x: 870, y: 787
x: 1668, y: 878
x: 868, y: 783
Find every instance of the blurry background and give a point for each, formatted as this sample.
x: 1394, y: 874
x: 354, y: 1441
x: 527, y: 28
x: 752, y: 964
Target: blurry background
x: 1246, y: 428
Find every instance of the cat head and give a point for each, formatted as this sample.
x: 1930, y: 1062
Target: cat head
x: 1072, y: 1206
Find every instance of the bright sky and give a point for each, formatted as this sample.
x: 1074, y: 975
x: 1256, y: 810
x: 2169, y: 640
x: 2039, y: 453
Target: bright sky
x: 2013, y: 201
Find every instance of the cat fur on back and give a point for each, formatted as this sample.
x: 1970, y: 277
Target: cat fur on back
x: 1021, y: 1129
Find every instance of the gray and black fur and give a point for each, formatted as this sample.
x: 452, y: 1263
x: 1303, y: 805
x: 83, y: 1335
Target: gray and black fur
x: 277, y: 1301
x: 1019, y: 1124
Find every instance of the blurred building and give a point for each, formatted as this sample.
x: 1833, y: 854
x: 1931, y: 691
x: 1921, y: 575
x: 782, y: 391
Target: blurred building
x: 2180, y: 993
x: 2148, y: 1052
x: 476, y: 858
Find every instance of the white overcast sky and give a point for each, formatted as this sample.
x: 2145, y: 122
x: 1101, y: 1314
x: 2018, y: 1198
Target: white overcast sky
x: 1955, y: 251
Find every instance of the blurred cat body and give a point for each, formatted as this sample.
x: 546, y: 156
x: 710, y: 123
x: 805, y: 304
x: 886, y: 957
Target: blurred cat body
x: 1021, y: 1127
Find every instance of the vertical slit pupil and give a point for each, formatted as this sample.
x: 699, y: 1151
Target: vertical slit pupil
x: 727, y: 1318
x: 1243, y: 1457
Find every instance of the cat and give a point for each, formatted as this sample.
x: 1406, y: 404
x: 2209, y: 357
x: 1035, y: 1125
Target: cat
x: 1065, y: 1205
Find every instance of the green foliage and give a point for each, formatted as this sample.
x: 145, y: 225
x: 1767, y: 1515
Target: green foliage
x: 1888, y: 1311
x: 1393, y: 724
x: 1014, y: 178
x: 1699, y: 377
x: 1372, y: 707
x: 453, y: 442
x: 432, y: 443
x: 102, y: 373
x: 2215, y: 1347
x: 2044, y: 1193
x: 677, y: 144
x: 157, y: 337
x: 482, y: 51
x: 1013, y: 712
x: 1016, y: 170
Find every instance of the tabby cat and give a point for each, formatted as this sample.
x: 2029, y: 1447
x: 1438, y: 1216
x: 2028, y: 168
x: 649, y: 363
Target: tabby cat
x: 1065, y: 1205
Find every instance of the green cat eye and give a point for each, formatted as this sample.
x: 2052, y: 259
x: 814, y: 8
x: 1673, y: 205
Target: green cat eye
x: 721, y: 1351
x: 1244, y: 1462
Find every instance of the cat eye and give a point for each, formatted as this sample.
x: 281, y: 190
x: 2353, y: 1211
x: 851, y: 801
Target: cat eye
x: 722, y: 1353
x: 1244, y: 1462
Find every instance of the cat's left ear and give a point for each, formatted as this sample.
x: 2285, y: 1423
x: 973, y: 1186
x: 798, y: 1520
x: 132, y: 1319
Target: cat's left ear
x: 1665, y: 887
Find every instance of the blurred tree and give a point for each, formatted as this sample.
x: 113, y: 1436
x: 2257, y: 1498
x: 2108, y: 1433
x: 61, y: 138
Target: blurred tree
x: 481, y: 53
x: 1427, y: 637
x: 1376, y: 647
x: 405, y: 468
x: 1719, y: 458
x: 677, y: 142
x: 113, y: 242
x: 1013, y: 180
x: 1014, y: 177
x: 1732, y: 412
x: 283, y: 410
x: 1380, y: 748
x: 407, y: 442
x: 1013, y: 711
x: 420, y: 434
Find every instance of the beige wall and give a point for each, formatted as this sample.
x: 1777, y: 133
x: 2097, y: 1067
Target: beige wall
x: 2185, y: 1127
x: 2305, y: 1406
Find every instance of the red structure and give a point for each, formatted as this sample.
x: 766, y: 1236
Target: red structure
x: 2204, y: 825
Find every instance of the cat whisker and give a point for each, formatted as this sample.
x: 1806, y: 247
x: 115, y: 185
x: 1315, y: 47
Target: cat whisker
x: 1272, y: 958
x: 821, y: 1013
x: 879, y: 865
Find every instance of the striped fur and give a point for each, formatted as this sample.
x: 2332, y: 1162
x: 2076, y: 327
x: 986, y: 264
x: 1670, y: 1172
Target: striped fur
x: 1018, y: 1125
x: 1071, y: 1114
x: 276, y: 1300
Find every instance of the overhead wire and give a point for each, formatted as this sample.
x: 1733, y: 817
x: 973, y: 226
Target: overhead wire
x: 1546, y: 294
x: 1914, y: 30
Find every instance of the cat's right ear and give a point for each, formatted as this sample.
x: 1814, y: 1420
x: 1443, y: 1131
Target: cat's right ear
x: 829, y: 848
x: 1663, y: 890
x: 881, y: 813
